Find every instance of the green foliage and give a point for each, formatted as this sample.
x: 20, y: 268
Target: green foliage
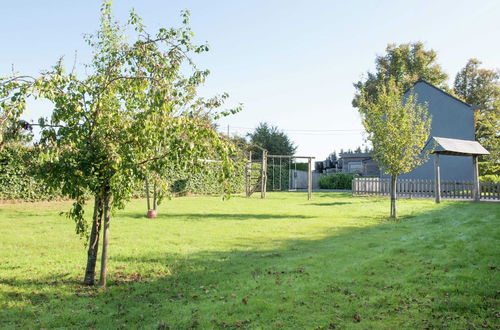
x: 278, y: 174
x: 404, y: 64
x: 301, y: 166
x: 206, y: 182
x: 269, y: 137
x: 18, y: 180
x: 336, y: 181
x: 397, y: 128
x: 481, y: 87
x: 136, y: 113
x: 12, y: 104
x: 492, y: 178
x: 489, y: 168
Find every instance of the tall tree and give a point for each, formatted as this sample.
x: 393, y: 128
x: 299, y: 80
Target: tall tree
x: 405, y: 64
x: 398, y: 128
x: 271, y: 138
x: 481, y: 87
x: 12, y: 105
x: 135, y: 111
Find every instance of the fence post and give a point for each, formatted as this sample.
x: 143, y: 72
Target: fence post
x: 437, y: 179
x: 309, y: 179
x: 476, y: 192
x: 247, y: 178
x: 263, y: 183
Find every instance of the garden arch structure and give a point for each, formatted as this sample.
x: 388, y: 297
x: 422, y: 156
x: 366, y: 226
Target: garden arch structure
x: 456, y: 147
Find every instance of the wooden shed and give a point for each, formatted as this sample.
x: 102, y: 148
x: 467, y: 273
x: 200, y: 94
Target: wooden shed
x: 455, y: 147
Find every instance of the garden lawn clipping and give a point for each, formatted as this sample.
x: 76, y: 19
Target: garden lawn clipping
x: 280, y: 262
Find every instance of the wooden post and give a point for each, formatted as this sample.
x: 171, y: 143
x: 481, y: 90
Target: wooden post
x: 476, y: 192
x: 309, y: 180
x: 248, y: 174
x: 437, y: 179
x: 247, y: 178
x: 263, y: 175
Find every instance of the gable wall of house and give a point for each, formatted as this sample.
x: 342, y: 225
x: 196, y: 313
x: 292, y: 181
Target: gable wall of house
x: 452, y: 119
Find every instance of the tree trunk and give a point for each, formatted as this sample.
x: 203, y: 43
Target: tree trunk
x: 93, y: 242
x: 147, y: 194
x: 105, y: 240
x: 154, y: 196
x: 393, y: 196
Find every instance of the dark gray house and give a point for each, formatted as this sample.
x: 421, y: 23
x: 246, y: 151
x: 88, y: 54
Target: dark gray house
x: 451, y: 118
x: 361, y: 163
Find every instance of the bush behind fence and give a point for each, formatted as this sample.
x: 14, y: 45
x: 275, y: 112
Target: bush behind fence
x: 425, y: 188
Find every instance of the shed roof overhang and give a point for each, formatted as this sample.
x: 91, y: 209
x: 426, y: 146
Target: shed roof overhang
x: 455, y: 147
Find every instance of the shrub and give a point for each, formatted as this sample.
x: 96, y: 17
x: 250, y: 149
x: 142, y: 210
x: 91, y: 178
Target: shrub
x: 19, y: 181
x: 179, y: 187
x: 300, y: 166
x: 490, y: 178
x: 336, y: 181
x: 489, y: 168
x: 18, y: 167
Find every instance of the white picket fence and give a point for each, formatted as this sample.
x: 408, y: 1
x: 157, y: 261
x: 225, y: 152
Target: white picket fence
x: 410, y: 188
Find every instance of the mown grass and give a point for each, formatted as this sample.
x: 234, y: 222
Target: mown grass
x: 249, y: 263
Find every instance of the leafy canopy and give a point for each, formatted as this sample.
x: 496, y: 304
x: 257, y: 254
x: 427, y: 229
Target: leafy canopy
x: 481, y: 87
x: 404, y: 64
x: 135, y: 112
x: 271, y: 138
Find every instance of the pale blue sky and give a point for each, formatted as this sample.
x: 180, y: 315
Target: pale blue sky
x: 291, y: 63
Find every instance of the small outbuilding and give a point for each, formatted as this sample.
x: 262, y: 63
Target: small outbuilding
x: 455, y: 147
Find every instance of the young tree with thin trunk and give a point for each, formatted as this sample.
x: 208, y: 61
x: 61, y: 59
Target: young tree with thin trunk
x: 398, y: 127
x: 135, y: 112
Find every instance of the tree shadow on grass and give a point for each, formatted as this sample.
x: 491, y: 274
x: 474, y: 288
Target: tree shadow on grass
x: 216, y: 216
x: 410, y: 274
x: 330, y: 204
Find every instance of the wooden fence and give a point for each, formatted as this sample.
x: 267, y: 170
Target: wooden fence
x: 410, y: 188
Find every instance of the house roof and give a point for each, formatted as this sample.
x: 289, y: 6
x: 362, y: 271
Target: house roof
x: 355, y: 155
x: 442, y: 91
x: 456, y: 147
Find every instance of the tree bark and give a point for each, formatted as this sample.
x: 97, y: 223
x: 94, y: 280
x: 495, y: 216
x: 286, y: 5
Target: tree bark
x: 393, y: 196
x: 147, y: 194
x: 154, y: 196
x: 89, y: 278
x: 105, y: 240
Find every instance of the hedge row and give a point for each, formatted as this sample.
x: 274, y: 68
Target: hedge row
x: 17, y: 176
x: 205, y: 183
x: 492, y: 178
x: 336, y: 181
x: 18, y: 180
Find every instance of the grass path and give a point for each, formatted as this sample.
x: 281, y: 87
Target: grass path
x: 280, y: 262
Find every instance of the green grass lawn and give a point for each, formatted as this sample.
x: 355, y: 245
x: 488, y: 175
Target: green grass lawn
x: 249, y: 263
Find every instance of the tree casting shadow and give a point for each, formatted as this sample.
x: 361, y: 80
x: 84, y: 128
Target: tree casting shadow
x: 253, y: 283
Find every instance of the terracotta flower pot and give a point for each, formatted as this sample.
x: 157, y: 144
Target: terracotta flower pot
x: 151, y: 214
